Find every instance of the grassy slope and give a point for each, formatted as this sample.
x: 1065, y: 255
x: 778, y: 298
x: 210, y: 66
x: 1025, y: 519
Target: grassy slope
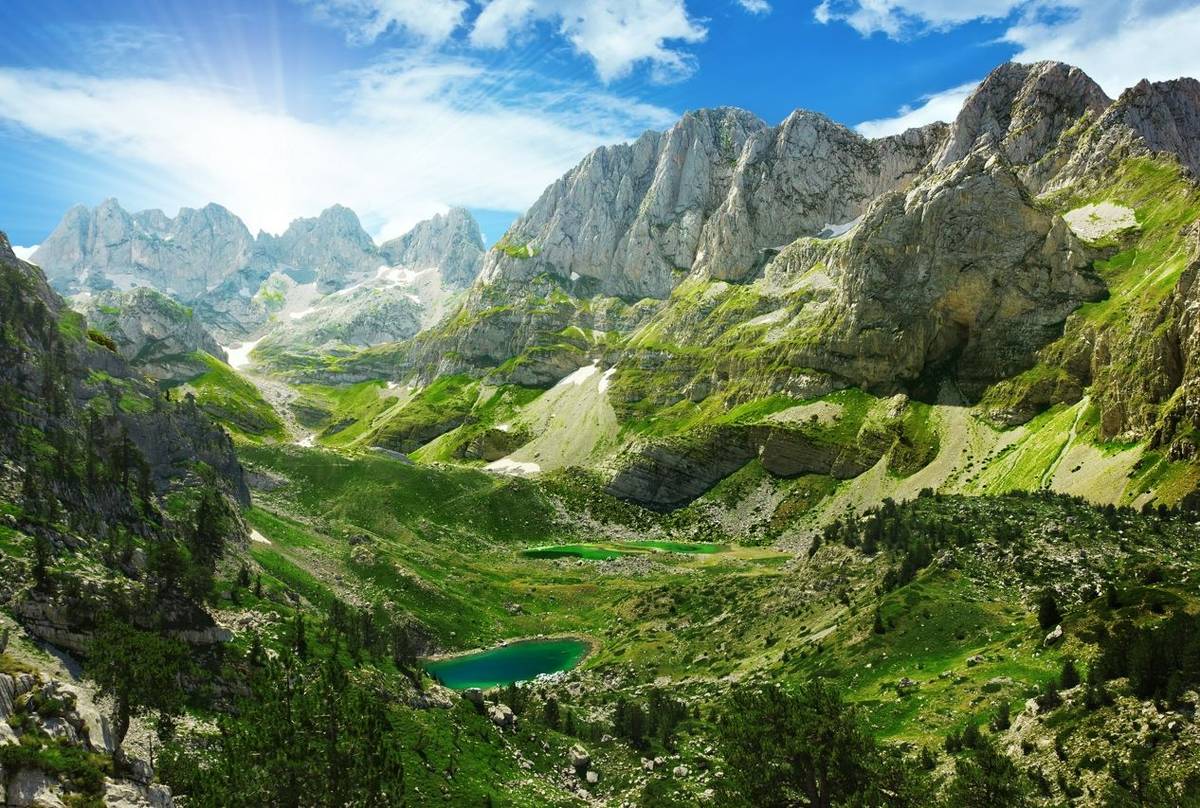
x: 234, y: 402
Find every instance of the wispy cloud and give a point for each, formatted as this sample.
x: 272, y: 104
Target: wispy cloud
x: 943, y: 106
x: 405, y: 138
x: 1116, y: 42
x: 900, y: 18
x: 616, y: 35
x: 755, y: 6
x: 364, y: 21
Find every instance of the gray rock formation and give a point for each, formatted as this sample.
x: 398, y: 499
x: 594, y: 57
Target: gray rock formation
x: 152, y: 332
x: 964, y: 274
x: 359, y: 317
x: 106, y: 246
x: 1148, y: 118
x: 709, y: 194
x: 451, y: 242
x: 333, y: 246
x: 1025, y: 110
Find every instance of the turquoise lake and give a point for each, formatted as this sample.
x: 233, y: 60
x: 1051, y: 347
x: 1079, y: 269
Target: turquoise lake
x: 515, y: 662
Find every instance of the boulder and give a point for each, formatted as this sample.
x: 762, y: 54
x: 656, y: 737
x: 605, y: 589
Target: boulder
x: 502, y: 715
x: 30, y: 787
x: 1053, y: 637
x: 580, y: 758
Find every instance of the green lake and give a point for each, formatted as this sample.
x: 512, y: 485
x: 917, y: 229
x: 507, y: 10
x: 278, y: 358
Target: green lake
x: 515, y: 662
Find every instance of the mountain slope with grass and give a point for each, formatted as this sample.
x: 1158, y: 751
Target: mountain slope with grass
x: 853, y: 472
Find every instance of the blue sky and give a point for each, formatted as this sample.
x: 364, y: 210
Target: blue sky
x: 399, y: 108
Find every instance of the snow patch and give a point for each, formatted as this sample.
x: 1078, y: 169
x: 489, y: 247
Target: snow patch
x: 506, y: 466
x: 835, y: 230
x: 258, y: 538
x: 239, y: 357
x: 606, y: 379
x: 1096, y: 221
x: 24, y: 253
x: 580, y: 376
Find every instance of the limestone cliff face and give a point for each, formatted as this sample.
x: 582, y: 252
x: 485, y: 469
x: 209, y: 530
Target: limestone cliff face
x: 152, y: 332
x: 963, y: 275
x: 106, y: 246
x: 1148, y: 118
x: 709, y: 195
x: 451, y: 242
x: 333, y: 246
x: 1029, y: 112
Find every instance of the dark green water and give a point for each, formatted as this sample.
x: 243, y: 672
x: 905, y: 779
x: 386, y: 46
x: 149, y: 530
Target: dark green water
x: 516, y: 662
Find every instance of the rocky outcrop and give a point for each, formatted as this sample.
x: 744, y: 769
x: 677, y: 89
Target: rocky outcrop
x: 664, y: 474
x: 361, y: 318
x: 451, y: 242
x: 709, y: 194
x: 1150, y: 117
x: 1025, y: 110
x: 152, y: 332
x: 47, y: 708
x: 333, y: 247
x: 104, y: 247
x: 962, y: 277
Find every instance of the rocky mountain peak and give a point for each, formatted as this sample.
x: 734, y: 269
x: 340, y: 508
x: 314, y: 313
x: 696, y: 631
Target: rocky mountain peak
x: 1026, y: 108
x: 333, y: 245
x: 708, y: 196
x: 451, y: 242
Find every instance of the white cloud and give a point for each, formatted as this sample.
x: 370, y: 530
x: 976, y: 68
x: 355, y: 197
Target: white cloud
x: 403, y: 140
x: 364, y: 21
x: 755, y: 6
x: 899, y: 18
x: 1116, y: 42
x: 24, y: 252
x: 943, y: 106
x: 615, y: 34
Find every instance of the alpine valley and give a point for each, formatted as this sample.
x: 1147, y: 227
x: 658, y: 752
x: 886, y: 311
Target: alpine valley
x: 754, y: 466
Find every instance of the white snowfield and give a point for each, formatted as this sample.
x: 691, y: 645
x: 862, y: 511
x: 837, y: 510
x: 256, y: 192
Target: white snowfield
x: 239, y: 357
x: 1096, y: 221
x: 506, y: 466
x: 835, y: 230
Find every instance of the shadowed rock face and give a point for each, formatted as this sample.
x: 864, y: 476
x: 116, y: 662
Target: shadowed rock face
x: 451, y: 242
x: 152, y: 332
x: 170, y: 437
x: 963, y: 271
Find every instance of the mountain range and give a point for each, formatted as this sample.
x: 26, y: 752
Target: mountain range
x: 773, y: 451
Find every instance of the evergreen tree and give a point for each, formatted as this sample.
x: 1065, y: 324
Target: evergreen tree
x: 139, y: 670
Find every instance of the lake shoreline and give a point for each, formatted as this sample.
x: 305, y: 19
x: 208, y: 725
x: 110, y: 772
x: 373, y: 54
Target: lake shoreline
x: 592, y: 643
